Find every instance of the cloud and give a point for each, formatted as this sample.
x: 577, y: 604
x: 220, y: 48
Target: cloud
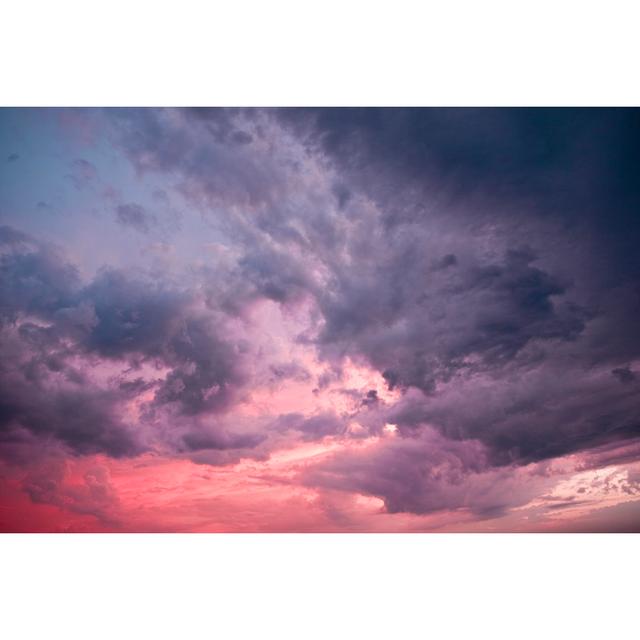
x: 418, y: 332
x: 83, y: 173
x: 313, y: 427
x: 460, y: 253
x: 36, y: 279
x: 133, y: 215
x: 44, y: 391
x: 55, y: 327
x: 428, y: 474
x: 624, y: 374
x: 482, y: 263
x: 534, y: 413
x: 91, y: 494
x: 210, y: 153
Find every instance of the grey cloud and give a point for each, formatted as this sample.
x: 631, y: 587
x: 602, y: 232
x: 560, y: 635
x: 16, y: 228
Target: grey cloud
x: 221, y: 440
x: 52, y: 322
x: 204, y: 147
x: 135, y: 216
x: 540, y: 412
x: 36, y: 279
x: 48, y: 404
x: 489, y: 251
x: 624, y: 374
x: 467, y: 243
x: 427, y: 474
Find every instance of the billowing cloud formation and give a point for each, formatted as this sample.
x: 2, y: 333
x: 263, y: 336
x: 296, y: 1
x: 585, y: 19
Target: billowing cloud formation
x: 442, y: 300
x: 428, y: 474
x: 56, y: 329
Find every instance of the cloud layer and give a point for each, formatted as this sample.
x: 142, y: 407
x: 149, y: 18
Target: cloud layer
x: 433, y: 310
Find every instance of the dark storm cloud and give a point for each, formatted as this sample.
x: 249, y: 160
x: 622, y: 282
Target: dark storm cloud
x: 498, y: 167
x: 419, y: 329
x: 427, y: 474
x: 138, y: 318
x: 503, y: 245
x: 82, y: 419
x: 515, y: 171
x: 35, y: 277
x: 132, y: 316
x: 532, y: 414
x: 43, y: 393
x: 556, y: 156
x: 530, y: 222
x: 53, y: 327
x: 205, y: 370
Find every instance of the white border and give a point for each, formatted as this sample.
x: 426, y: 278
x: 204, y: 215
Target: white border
x: 335, y: 52
x: 348, y: 586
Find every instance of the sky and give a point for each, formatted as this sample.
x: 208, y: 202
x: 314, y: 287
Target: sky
x: 319, y: 320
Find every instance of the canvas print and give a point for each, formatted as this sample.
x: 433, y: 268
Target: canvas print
x: 319, y: 320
